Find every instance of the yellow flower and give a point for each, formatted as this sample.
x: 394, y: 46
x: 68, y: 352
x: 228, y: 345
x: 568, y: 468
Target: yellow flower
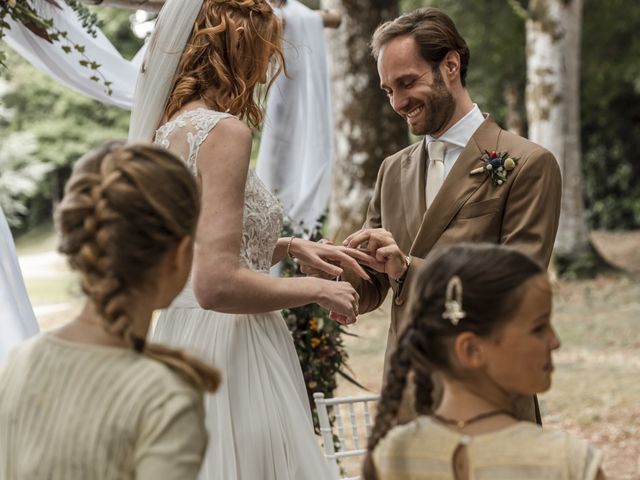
x: 12, y: 3
x: 509, y: 164
x: 313, y: 324
x: 312, y: 384
x: 315, y: 342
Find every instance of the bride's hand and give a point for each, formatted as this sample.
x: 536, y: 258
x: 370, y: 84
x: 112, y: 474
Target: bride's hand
x: 341, y: 299
x: 323, y: 259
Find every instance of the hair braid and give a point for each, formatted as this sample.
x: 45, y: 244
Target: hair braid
x: 123, y: 208
x: 390, y: 401
x: 423, y: 369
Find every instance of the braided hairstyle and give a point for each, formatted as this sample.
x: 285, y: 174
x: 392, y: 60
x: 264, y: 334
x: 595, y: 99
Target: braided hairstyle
x: 492, y: 277
x: 124, y: 207
x: 227, y: 56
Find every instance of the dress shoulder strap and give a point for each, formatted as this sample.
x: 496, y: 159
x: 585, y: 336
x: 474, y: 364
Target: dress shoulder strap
x: 185, y: 133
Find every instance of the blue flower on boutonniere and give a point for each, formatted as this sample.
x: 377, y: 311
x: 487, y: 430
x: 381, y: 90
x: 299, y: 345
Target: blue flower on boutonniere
x: 497, y: 165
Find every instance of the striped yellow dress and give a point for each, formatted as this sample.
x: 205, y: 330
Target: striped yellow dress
x: 77, y: 411
x: 423, y: 450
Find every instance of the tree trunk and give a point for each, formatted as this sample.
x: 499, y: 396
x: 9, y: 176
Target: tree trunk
x: 513, y: 99
x: 367, y: 129
x: 553, y: 109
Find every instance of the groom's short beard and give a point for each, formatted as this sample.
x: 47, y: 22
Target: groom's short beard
x: 439, y: 107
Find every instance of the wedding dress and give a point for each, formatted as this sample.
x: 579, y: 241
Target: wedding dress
x: 259, y: 420
x: 17, y: 321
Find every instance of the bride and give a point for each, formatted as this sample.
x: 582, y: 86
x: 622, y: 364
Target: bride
x: 18, y: 320
x: 197, y: 82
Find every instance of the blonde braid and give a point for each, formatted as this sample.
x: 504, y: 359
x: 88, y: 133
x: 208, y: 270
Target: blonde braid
x: 123, y: 208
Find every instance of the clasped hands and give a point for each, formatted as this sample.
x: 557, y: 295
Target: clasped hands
x: 374, y: 248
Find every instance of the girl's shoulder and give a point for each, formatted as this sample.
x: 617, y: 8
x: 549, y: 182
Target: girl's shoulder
x: 523, y: 446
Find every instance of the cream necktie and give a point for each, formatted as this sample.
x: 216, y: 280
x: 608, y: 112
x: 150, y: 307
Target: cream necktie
x: 435, y: 175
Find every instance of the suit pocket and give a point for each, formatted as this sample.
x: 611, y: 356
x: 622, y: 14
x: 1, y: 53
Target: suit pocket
x: 479, y: 209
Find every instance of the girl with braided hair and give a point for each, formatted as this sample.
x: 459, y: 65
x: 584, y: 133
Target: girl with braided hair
x: 480, y: 319
x: 94, y: 400
x: 196, y: 90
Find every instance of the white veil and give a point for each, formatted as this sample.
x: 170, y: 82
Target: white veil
x: 158, y: 69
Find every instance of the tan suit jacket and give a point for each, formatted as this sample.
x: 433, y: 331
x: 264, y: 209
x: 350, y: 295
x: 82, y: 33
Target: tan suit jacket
x: 523, y: 212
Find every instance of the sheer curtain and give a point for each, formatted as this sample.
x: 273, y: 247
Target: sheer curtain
x: 296, y: 151
x: 65, y: 67
x: 17, y: 321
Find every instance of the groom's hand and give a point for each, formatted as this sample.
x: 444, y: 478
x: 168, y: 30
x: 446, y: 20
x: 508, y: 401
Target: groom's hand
x: 384, y: 255
x: 326, y: 260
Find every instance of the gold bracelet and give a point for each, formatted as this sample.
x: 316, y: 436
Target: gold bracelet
x: 289, y: 247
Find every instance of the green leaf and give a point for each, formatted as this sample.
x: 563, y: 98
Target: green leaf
x: 352, y: 380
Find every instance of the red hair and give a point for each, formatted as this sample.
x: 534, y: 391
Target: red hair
x: 229, y: 52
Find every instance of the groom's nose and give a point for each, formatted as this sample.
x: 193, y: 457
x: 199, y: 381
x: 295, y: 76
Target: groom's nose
x: 399, y: 102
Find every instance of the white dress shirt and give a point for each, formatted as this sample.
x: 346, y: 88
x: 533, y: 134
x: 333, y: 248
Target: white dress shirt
x: 457, y: 137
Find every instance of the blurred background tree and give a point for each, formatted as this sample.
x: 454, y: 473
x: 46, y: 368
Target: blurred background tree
x: 55, y: 126
x: 59, y: 125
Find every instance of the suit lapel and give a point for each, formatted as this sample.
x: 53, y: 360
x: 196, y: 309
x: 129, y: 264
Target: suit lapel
x: 456, y: 189
x: 413, y: 189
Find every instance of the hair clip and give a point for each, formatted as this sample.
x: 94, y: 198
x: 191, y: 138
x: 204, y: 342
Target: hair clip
x: 453, y: 302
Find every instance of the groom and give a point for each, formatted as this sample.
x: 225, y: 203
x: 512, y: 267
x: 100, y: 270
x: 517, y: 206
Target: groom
x: 428, y: 195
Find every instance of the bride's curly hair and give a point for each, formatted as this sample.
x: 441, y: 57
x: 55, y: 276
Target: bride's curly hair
x: 124, y: 207
x: 231, y: 48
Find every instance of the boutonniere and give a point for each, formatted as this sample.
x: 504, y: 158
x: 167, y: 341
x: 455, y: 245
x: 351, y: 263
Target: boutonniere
x: 497, y: 165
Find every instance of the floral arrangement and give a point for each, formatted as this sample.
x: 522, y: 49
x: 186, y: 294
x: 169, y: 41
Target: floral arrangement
x: 23, y: 12
x: 497, y: 165
x: 318, y: 340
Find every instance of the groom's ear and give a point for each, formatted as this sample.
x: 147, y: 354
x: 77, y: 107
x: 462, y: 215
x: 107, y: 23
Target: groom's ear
x: 451, y: 64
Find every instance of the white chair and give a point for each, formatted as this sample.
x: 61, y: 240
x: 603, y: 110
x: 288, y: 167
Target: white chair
x: 351, y: 436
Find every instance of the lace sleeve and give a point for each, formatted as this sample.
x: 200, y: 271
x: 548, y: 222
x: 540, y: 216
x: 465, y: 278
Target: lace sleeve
x: 184, y: 134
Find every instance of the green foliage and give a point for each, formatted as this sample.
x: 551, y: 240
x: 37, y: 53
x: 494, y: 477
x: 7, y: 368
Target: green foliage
x: 61, y: 126
x: 610, y: 99
x: 20, y: 176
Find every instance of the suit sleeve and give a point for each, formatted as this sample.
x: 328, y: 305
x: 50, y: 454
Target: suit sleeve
x: 373, y: 293
x: 532, y: 210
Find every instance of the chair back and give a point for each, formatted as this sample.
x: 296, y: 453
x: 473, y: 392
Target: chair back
x: 352, y: 417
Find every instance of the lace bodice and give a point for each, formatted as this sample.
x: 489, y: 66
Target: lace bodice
x: 262, y: 218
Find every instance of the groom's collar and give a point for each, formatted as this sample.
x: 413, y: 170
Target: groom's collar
x: 462, y: 131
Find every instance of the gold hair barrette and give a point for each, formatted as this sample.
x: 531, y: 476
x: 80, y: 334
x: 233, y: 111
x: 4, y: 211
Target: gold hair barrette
x: 453, y: 301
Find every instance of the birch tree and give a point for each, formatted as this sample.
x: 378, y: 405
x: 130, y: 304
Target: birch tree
x: 553, y: 109
x: 367, y: 129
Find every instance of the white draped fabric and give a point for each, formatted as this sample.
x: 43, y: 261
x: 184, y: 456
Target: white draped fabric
x: 65, y: 68
x: 296, y: 151
x: 17, y: 321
